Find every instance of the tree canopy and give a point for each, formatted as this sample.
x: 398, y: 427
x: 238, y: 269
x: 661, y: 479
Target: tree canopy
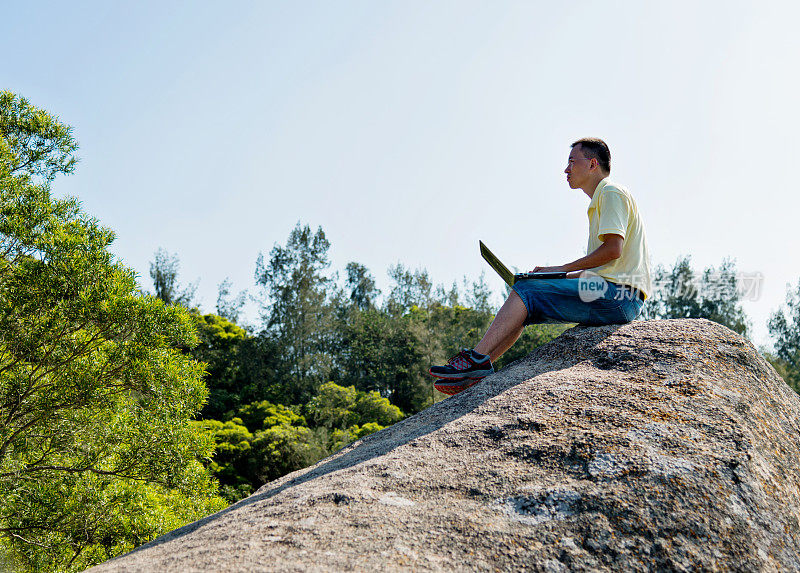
x: 95, y: 395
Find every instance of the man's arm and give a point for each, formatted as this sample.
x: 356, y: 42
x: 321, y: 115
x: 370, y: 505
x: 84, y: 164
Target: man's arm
x: 610, y: 249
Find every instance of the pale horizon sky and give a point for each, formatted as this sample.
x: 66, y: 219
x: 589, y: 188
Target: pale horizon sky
x: 410, y: 130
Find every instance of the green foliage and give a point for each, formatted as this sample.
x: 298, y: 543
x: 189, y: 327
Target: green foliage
x: 241, y: 368
x: 676, y: 292
x: 783, y: 368
x: 479, y: 295
x: 96, y: 451
x: 265, y: 414
x: 296, y: 314
x: 221, y: 346
x: 232, y: 463
x: 108, y: 516
x: 410, y: 289
x: 337, y: 407
x: 164, y: 270
x: 378, y: 351
x: 340, y: 438
x: 390, y: 349
x: 263, y: 442
x: 784, y: 328
x: 715, y: 295
x: 346, y: 414
x: 34, y: 145
x: 361, y: 286
x: 281, y: 449
x: 225, y: 334
x: 333, y: 406
x: 448, y: 328
x: 371, y: 407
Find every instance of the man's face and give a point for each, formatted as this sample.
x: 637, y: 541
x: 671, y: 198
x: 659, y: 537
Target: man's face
x: 579, y: 169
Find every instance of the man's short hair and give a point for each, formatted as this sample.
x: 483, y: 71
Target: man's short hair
x: 594, y: 148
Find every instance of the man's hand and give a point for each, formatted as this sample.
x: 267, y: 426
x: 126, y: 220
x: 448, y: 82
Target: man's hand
x: 610, y: 249
x: 556, y: 269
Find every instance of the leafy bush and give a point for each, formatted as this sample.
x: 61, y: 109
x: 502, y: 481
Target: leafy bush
x: 338, y: 407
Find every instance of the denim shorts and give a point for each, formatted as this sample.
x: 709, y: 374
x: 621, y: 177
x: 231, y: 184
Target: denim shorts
x: 560, y: 300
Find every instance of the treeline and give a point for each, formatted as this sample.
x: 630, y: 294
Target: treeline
x: 323, y: 344
x: 126, y: 414
x: 329, y: 362
x: 716, y: 294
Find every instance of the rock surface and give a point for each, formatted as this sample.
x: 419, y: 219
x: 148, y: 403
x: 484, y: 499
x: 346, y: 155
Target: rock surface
x: 665, y: 445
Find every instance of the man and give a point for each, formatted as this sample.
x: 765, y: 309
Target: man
x: 607, y: 286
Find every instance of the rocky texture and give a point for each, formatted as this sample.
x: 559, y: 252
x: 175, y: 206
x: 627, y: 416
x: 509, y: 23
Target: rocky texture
x: 665, y: 445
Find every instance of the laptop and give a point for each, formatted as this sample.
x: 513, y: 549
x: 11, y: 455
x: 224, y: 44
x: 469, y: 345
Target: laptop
x: 509, y: 277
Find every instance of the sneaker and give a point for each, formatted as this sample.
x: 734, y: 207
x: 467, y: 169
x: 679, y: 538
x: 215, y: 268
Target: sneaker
x: 455, y: 386
x: 467, y: 364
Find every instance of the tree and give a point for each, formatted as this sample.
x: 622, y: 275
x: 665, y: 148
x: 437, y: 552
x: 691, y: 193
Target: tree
x: 339, y: 407
x: 479, y: 295
x: 296, y: 312
x: 361, y: 286
x: 721, y: 296
x: 265, y: 414
x: 675, y: 292
x: 282, y: 449
x: 241, y: 368
x: 349, y: 414
x: 232, y: 462
x: 164, y: 270
x: 35, y: 145
x: 678, y: 293
x: 222, y: 348
x: 263, y: 441
x: 230, y: 307
x: 382, y: 352
x: 96, y: 451
x: 411, y: 288
x: 784, y: 328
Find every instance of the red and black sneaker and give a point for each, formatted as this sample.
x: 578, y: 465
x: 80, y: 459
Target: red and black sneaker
x: 461, y: 371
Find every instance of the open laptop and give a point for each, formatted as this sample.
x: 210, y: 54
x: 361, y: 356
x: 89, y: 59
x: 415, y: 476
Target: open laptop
x: 509, y: 277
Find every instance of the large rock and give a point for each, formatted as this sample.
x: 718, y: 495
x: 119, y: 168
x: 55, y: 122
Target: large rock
x: 659, y: 444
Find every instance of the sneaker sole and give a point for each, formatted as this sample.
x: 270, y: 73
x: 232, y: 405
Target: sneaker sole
x: 455, y: 386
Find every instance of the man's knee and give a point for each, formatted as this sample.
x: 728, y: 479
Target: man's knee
x: 515, y: 304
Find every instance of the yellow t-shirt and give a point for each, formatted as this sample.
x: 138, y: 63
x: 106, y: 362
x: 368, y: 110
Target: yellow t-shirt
x: 613, y: 210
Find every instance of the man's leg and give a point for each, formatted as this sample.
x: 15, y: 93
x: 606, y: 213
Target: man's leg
x: 505, y: 328
x: 469, y: 367
x: 507, y: 343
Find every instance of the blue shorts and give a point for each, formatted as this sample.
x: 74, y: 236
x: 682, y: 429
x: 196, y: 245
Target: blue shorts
x: 560, y: 300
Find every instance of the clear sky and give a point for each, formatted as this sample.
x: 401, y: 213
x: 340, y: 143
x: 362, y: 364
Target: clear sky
x: 408, y: 130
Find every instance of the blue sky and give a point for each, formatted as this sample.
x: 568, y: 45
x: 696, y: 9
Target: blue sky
x: 409, y: 130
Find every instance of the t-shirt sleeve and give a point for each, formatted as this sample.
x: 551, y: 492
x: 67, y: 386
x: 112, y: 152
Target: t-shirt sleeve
x: 613, y: 216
